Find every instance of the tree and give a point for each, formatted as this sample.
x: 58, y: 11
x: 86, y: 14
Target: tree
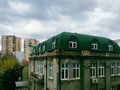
x: 10, y: 71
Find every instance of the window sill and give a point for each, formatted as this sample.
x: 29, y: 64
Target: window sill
x: 70, y: 79
x: 101, y: 76
x: 51, y: 78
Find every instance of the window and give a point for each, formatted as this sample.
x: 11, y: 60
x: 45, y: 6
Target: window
x: 32, y: 66
x: 41, y: 68
x: 94, y: 44
x: 118, y: 68
x: 93, y: 70
x: 76, y: 70
x: 112, y: 71
x: 53, y: 43
x: 50, y: 70
x: 101, y: 88
x: 40, y: 49
x: 37, y: 69
x: 101, y: 69
x: 110, y: 46
x: 113, y: 88
x: 44, y: 47
x: 64, y: 71
x: 72, y: 42
x: 34, y: 50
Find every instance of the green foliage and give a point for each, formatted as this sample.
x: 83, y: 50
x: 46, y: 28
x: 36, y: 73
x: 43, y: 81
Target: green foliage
x: 10, y: 71
x: 25, y: 73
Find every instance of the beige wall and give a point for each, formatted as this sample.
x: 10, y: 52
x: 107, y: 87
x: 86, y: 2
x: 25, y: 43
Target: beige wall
x: 11, y: 43
x: 27, y: 48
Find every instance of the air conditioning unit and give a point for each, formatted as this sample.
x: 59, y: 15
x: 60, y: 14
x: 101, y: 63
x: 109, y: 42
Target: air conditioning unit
x: 94, y: 80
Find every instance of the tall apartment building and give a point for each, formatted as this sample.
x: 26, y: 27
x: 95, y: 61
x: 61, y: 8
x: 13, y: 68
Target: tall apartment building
x: 28, y: 42
x: 10, y: 43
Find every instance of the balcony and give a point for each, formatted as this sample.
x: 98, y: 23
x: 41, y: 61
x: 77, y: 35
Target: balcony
x: 37, y: 78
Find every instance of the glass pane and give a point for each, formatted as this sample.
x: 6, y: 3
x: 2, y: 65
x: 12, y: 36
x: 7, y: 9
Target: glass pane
x: 66, y: 73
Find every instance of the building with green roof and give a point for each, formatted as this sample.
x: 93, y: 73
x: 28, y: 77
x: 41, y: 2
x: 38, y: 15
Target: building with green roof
x: 76, y: 62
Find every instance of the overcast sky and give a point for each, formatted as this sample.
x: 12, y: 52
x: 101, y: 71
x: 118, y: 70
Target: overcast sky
x: 42, y: 19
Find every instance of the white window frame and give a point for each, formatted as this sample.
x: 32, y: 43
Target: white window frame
x: 37, y: 68
x: 41, y: 68
x: 72, y: 44
x: 118, y: 68
x: 33, y: 50
x: 110, y: 47
x: 94, y: 46
x: 101, y: 88
x: 112, y: 70
x: 113, y: 87
x: 76, y: 70
x: 40, y: 49
x: 101, y: 69
x: 50, y: 70
x: 32, y: 65
x: 53, y: 44
x: 64, y: 71
x: 43, y: 47
x: 93, y: 70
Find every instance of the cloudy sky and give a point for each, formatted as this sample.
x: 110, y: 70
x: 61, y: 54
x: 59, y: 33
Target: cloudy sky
x: 42, y: 19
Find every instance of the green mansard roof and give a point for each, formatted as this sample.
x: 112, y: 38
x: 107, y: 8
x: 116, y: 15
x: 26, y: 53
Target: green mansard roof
x: 83, y: 43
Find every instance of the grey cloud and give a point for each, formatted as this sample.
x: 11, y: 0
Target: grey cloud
x: 67, y: 15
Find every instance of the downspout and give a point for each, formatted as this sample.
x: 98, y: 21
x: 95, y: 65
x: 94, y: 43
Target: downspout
x: 46, y: 73
x: 59, y: 72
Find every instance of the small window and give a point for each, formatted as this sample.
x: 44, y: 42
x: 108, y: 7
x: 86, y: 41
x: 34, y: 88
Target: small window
x: 64, y: 71
x: 112, y: 71
x: 76, y: 70
x: 41, y: 70
x: 110, y: 46
x: 93, y: 70
x: 101, y: 70
x: 34, y: 50
x: 53, y: 43
x: 40, y: 49
x: 43, y: 47
x: 118, y: 68
x: 72, y: 42
x: 51, y: 70
x: 94, y: 44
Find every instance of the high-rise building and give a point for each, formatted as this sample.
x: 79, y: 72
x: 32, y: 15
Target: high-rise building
x: 10, y: 44
x: 27, y: 43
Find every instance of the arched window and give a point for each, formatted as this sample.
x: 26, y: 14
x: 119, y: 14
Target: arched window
x: 110, y: 46
x: 53, y: 43
x: 72, y: 42
x: 94, y: 44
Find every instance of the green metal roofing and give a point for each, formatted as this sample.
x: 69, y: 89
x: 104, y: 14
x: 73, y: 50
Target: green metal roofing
x: 83, y: 43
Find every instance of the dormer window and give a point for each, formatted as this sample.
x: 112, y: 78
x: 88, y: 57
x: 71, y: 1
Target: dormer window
x: 110, y: 46
x: 53, y: 43
x: 33, y: 50
x: 72, y: 42
x: 40, y: 49
x: 43, y: 47
x: 94, y: 44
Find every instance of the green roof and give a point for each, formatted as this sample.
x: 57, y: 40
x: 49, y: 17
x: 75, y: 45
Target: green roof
x: 83, y: 43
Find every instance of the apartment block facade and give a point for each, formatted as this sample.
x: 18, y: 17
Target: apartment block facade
x: 27, y: 43
x: 10, y: 44
x: 72, y: 61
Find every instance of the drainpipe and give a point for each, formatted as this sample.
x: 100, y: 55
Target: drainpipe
x: 46, y: 73
x: 59, y: 72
